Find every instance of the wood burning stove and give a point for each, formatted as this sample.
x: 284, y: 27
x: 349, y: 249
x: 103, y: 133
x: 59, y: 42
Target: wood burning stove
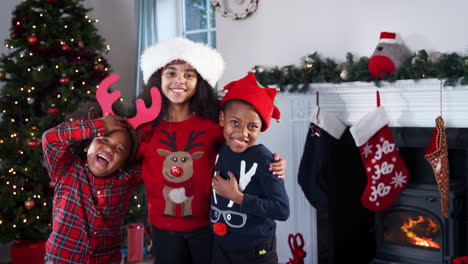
x: 412, y: 230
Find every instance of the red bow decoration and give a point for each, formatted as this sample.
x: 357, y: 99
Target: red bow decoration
x: 296, y: 244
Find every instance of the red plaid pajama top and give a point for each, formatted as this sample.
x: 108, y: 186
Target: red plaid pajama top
x: 88, y: 211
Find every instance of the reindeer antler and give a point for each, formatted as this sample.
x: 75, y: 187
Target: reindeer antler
x: 106, y: 99
x: 143, y: 114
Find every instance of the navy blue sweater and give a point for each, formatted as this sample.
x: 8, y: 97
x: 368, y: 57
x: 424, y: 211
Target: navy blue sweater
x: 265, y: 198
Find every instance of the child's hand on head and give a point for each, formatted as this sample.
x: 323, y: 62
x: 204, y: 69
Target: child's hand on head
x: 114, y: 123
x: 278, y: 168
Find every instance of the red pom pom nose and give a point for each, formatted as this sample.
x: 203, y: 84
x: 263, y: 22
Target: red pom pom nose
x: 220, y: 229
x: 177, y: 171
x: 379, y: 64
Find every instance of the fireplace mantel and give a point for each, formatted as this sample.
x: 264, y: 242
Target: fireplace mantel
x: 408, y: 103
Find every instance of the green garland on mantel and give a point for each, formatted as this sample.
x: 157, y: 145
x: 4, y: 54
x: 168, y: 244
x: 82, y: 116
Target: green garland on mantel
x: 452, y: 68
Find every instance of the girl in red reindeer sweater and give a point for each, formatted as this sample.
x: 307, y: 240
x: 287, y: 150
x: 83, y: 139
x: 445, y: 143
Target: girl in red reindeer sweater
x: 178, y: 149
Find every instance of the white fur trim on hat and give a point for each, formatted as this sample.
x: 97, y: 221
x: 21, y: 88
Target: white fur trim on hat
x: 328, y: 122
x: 207, y: 61
x: 369, y: 125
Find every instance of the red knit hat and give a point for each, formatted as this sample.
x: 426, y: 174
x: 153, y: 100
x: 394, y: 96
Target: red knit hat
x: 262, y: 99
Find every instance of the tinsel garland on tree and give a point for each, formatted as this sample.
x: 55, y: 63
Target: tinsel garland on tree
x: 450, y: 67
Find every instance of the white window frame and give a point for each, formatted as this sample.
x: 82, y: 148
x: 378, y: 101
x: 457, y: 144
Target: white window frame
x: 210, y: 29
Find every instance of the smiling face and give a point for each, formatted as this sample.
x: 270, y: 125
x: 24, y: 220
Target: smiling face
x: 178, y: 82
x: 109, y: 153
x: 241, y: 125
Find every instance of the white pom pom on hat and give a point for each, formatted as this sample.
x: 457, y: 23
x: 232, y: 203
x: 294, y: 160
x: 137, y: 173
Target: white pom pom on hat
x: 206, y: 61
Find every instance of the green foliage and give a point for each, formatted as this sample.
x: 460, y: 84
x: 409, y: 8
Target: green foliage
x: 55, y: 60
x: 452, y: 68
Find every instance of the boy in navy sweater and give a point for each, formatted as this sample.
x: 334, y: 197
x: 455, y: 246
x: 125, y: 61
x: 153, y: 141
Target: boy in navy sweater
x: 247, y: 198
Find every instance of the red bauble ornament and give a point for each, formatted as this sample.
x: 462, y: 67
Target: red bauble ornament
x: 52, y: 184
x: 53, y: 111
x: 32, y: 40
x: 34, y: 144
x: 13, y: 35
x: 52, y: 1
x: 64, y: 81
x: 29, y: 204
x: 65, y: 47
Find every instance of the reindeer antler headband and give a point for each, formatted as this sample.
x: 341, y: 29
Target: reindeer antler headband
x: 143, y: 114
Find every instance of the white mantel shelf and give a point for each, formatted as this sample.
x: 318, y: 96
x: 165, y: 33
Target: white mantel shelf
x: 408, y: 103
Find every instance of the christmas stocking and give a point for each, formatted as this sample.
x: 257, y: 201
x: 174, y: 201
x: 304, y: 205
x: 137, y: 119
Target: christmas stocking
x: 324, y: 131
x: 437, y: 156
x: 386, y: 172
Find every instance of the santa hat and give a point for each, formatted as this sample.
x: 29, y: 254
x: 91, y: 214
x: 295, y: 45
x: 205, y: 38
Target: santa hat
x: 262, y: 99
x: 388, y: 37
x: 207, y: 61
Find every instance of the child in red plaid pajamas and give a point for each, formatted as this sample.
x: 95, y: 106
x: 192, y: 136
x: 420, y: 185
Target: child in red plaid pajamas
x: 91, y: 194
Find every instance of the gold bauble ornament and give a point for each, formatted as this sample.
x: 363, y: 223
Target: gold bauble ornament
x: 435, y: 57
x: 2, y: 75
x: 416, y: 59
x: 81, y: 44
x: 99, y: 67
x: 344, y: 75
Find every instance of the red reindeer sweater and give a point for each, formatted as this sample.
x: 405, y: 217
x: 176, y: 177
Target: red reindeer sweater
x: 177, y: 167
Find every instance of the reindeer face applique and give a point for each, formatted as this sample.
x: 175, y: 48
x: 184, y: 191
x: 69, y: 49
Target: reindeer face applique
x: 223, y: 215
x: 177, y: 171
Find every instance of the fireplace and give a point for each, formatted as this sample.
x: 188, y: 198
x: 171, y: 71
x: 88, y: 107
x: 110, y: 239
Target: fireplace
x: 412, y: 230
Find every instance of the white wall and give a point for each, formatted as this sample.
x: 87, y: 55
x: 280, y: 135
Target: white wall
x: 281, y: 32
x: 6, y: 8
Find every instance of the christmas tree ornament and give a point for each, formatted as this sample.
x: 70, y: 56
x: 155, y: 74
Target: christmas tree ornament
x: 32, y: 40
x: 53, y: 111
x: 386, y: 171
x: 99, y: 67
x: 13, y: 35
x: 52, y: 1
x: 65, y: 47
x: 29, y: 204
x: 64, y: 80
x: 6, y: 99
x: 81, y: 44
x: 34, y: 143
x: 388, y: 55
x: 2, y: 75
x: 52, y: 184
x: 437, y: 156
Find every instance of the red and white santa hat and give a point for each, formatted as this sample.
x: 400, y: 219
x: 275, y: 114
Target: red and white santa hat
x: 388, y: 37
x: 262, y: 99
x: 206, y: 61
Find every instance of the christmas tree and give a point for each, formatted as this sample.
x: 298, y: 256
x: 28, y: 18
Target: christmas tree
x: 55, y: 61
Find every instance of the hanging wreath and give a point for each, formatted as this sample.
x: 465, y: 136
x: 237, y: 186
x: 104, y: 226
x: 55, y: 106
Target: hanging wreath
x: 235, y: 9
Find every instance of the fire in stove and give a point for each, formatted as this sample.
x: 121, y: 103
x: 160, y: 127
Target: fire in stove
x: 419, y: 231
x: 412, y: 229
